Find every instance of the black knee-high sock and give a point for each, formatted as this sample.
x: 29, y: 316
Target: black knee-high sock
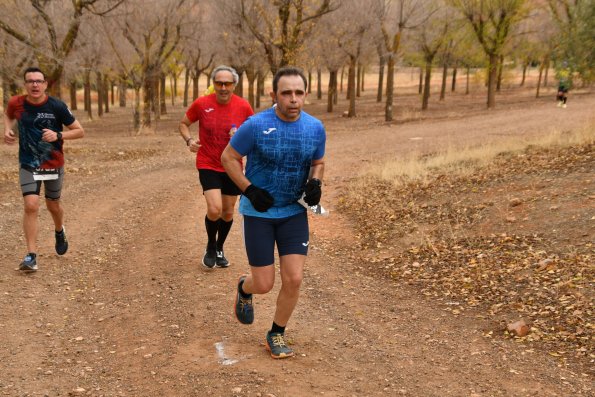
x: 277, y: 328
x: 212, y: 227
x: 224, y: 228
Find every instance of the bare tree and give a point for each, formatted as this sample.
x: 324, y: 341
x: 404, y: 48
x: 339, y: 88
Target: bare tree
x: 282, y: 26
x: 40, y: 28
x: 492, y: 21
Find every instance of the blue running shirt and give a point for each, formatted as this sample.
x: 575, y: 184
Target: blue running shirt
x: 280, y: 154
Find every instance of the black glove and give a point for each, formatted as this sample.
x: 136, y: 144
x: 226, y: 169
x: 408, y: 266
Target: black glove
x: 261, y: 199
x: 313, y: 192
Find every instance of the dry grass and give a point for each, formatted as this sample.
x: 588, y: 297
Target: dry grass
x: 464, y: 161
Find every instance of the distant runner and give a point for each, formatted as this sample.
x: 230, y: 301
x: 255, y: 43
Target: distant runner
x: 285, y: 148
x: 41, y: 142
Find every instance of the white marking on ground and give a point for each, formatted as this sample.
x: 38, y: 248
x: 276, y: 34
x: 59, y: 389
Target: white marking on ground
x: 221, y: 353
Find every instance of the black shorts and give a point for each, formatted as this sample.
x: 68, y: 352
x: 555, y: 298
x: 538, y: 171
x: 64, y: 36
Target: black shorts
x: 260, y: 235
x: 210, y: 179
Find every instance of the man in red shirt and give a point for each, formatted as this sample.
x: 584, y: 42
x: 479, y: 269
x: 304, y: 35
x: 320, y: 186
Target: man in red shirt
x: 219, y: 115
x: 40, y: 119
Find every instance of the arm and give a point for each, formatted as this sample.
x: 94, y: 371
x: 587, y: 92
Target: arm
x: 9, y: 135
x: 74, y: 131
x: 184, y: 129
x: 317, y: 169
x: 230, y: 159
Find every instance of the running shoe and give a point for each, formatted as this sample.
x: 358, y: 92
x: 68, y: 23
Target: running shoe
x: 243, y: 306
x: 61, y: 242
x: 221, y: 260
x: 210, y: 258
x: 276, y: 345
x: 29, y: 264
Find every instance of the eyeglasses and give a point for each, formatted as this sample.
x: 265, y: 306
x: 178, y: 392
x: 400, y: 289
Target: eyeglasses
x: 226, y: 84
x: 38, y: 82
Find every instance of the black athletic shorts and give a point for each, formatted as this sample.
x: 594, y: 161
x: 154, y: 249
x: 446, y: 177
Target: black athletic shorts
x: 210, y: 179
x: 291, y: 235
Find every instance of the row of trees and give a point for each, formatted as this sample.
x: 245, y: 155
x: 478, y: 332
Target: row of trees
x: 137, y: 44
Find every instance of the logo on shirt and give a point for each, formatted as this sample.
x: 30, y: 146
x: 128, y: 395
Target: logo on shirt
x: 306, y: 244
x: 266, y: 132
x: 209, y: 110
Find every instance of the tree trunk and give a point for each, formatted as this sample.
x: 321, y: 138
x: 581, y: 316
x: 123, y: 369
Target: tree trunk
x: 426, y: 93
x: 172, y: 87
x: 492, y: 79
x: 155, y: 103
x: 467, y: 82
x: 239, y: 91
x: 148, y: 87
x: 112, y: 89
x: 259, y: 88
x: 318, y: 83
x: 122, y: 92
x: 106, y: 84
x: 5, y: 91
x: 332, y: 90
x: 454, y: 79
x: 87, y: 90
x: 73, y: 105
x: 251, y: 76
x: 100, y: 95
x: 524, y: 74
x: 351, y: 86
x: 358, y: 79
x: 547, y: 69
x: 162, y: 105
x: 136, y: 109
x: 443, y: 86
x: 390, y: 77
x: 261, y: 76
x: 380, y: 80
x: 195, y: 77
x: 500, y: 70
x: 309, y: 81
x: 421, y: 80
x: 186, y: 87
x: 363, y: 78
x: 539, y: 79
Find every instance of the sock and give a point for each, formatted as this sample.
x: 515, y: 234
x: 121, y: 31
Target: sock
x: 241, y: 290
x: 61, y: 231
x: 211, y: 227
x: 277, y: 328
x: 224, y: 228
x: 33, y: 255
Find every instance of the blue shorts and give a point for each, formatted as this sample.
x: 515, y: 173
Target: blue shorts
x: 291, y: 235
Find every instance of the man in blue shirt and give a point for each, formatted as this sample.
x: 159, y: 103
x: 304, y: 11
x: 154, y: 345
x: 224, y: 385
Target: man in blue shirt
x: 285, y: 149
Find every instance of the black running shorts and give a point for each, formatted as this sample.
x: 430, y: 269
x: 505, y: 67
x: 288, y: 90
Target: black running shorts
x: 52, y: 187
x: 210, y: 179
x: 260, y: 235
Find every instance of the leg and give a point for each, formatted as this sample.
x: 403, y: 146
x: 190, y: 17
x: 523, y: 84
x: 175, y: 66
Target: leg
x: 212, y: 221
x: 57, y: 213
x: 30, y: 225
x: 292, y: 274
x: 214, y: 204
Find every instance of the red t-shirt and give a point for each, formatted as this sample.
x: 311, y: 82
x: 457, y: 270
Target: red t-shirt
x: 215, y: 122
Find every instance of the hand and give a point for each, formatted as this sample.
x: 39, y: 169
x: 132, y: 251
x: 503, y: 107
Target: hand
x: 193, y: 145
x: 49, y: 135
x: 313, y: 192
x: 9, y: 137
x: 261, y: 199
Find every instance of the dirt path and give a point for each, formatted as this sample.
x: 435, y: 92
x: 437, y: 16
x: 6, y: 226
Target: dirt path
x: 129, y: 311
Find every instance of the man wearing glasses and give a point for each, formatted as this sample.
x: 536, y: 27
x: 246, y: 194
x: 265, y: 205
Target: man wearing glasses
x: 219, y: 115
x: 40, y: 120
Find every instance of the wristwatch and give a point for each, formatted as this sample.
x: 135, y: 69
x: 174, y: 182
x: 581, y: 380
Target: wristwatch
x: 188, y: 141
x: 59, y: 135
x: 316, y: 181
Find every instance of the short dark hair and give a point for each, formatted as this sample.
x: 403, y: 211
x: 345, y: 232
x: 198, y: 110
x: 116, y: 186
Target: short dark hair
x: 289, y: 71
x: 33, y: 69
